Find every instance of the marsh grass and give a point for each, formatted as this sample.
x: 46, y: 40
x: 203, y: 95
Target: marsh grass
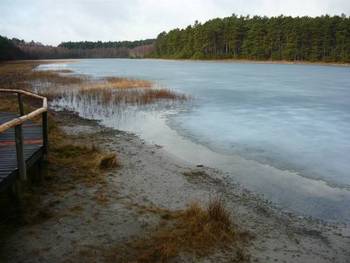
x: 84, y: 93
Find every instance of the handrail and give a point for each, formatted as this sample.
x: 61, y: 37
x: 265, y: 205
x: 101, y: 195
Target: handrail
x: 17, y: 124
x: 29, y: 116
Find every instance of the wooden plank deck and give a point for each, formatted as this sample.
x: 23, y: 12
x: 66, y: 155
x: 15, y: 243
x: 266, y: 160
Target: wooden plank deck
x: 33, y: 148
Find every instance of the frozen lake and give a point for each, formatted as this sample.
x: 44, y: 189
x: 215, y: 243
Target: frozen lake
x: 281, y: 130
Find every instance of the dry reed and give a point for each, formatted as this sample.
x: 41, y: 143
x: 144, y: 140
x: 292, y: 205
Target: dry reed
x: 128, y: 83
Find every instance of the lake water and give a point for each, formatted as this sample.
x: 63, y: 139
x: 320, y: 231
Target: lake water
x: 282, y: 131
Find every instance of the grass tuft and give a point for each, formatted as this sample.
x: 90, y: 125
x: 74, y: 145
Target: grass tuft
x: 78, y: 155
x: 218, y: 213
x: 196, y: 230
x: 109, y: 161
x: 81, y: 157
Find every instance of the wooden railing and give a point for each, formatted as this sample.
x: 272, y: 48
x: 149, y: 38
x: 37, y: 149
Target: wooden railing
x: 17, y: 124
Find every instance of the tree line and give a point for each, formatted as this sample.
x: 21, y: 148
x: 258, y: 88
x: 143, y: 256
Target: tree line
x: 325, y: 38
x: 109, y: 44
x: 8, y: 50
x: 19, y: 49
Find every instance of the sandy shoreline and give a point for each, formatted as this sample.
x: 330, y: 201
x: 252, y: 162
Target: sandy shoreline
x: 82, y: 229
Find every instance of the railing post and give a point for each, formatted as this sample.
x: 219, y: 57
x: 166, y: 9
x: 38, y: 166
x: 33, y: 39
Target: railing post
x: 20, y: 104
x: 21, y: 163
x: 45, y: 134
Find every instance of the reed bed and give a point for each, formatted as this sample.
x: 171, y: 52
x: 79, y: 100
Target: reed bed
x: 134, y: 96
x: 108, y: 92
x: 94, y: 98
x: 58, y: 84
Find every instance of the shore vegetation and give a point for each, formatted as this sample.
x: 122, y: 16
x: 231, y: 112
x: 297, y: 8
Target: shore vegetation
x: 197, y: 230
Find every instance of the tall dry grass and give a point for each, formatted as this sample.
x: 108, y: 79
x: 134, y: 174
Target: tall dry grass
x: 135, y: 96
x: 128, y: 83
x: 196, y: 230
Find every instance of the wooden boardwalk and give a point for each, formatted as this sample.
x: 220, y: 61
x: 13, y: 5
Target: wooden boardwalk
x: 23, y: 142
x: 33, y: 148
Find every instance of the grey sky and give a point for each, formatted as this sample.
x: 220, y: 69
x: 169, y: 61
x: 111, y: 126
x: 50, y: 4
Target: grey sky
x: 51, y: 22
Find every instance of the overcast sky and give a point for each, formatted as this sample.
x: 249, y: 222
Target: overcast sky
x: 54, y: 21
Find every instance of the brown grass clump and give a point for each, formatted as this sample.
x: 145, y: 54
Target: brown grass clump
x: 195, y: 230
x: 150, y: 96
x: 109, y: 161
x: 218, y: 213
x: 73, y: 160
x: 75, y: 154
x: 81, y: 157
x: 127, y: 83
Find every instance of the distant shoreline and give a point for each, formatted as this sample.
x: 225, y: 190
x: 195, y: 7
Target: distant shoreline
x: 251, y: 61
x: 228, y: 60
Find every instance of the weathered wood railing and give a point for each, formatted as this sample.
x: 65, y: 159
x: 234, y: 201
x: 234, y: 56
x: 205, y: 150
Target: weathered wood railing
x: 17, y: 124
